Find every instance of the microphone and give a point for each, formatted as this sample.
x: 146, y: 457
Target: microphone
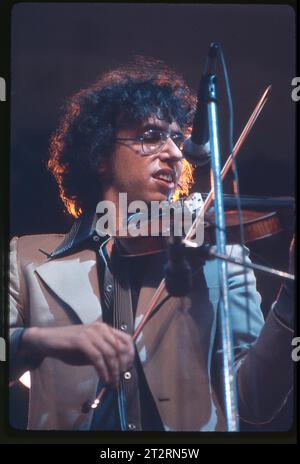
x: 197, y: 148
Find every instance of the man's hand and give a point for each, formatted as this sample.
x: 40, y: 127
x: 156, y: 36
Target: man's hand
x: 109, y: 350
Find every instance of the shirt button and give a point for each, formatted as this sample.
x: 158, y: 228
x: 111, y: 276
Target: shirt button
x: 127, y: 375
x: 123, y: 327
x: 131, y: 426
x: 109, y: 288
x: 96, y: 238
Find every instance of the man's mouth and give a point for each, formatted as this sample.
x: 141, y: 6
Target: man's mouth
x: 166, y: 177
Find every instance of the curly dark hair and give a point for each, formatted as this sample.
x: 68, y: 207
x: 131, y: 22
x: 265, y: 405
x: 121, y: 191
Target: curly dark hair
x: 122, y: 98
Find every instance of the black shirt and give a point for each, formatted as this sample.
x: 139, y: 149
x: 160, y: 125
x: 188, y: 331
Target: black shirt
x: 106, y: 416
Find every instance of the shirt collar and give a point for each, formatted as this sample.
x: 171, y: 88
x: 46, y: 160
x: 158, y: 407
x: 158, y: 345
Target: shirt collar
x: 83, y: 229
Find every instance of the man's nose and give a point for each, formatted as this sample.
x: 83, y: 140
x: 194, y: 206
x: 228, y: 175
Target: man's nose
x: 170, y: 151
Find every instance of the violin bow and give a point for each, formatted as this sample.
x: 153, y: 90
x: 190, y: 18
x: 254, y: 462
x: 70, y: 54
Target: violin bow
x: 227, y: 165
x: 155, y: 298
x: 207, y: 203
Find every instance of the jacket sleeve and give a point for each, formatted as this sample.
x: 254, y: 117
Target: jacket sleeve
x: 262, y: 350
x: 17, y: 366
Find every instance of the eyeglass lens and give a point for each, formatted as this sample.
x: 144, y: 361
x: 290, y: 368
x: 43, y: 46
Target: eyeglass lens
x: 154, y: 140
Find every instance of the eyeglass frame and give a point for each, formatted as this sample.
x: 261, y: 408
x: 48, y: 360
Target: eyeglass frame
x: 141, y: 138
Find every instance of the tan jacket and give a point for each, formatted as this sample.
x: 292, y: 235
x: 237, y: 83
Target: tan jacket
x: 179, y: 347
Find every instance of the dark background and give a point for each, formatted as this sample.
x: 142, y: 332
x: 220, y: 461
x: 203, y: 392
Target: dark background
x: 59, y: 48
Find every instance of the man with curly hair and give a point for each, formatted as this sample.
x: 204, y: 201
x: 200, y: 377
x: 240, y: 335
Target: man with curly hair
x: 75, y: 300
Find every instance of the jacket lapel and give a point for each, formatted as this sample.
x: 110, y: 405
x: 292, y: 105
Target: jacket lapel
x: 74, y: 280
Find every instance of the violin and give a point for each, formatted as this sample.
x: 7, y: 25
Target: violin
x: 262, y: 217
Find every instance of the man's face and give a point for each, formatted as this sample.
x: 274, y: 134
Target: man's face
x: 145, y: 177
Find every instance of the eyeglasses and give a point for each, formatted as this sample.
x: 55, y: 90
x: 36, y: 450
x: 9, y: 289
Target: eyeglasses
x: 153, y: 140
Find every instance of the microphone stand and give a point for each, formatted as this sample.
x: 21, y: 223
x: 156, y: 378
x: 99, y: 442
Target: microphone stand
x: 230, y: 396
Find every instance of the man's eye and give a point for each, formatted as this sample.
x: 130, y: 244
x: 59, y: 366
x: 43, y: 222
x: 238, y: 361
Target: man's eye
x: 151, y: 136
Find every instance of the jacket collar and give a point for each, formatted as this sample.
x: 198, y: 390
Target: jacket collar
x: 74, y: 276
x: 83, y: 230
